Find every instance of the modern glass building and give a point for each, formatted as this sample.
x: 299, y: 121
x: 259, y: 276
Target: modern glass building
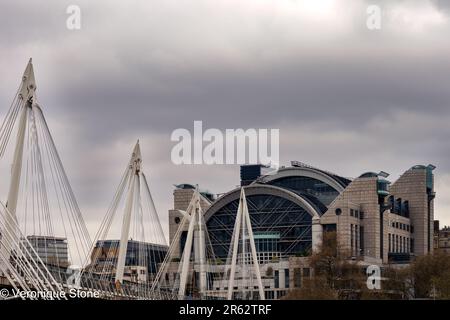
x: 291, y: 209
x: 282, y: 206
x: 51, y: 250
x: 138, y: 254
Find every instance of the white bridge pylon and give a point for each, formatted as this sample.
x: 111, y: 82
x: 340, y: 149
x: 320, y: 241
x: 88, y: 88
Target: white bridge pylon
x: 41, y: 224
x: 134, y: 176
x: 23, y: 102
x: 242, y: 257
x: 197, y: 257
x: 196, y: 232
x: 140, y: 233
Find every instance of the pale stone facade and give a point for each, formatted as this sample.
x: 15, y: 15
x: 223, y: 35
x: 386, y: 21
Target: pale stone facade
x: 415, y: 187
x: 375, y: 221
x: 363, y: 212
x: 181, y: 199
x: 356, y: 214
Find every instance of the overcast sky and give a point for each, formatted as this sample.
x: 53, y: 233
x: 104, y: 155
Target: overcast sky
x: 345, y: 98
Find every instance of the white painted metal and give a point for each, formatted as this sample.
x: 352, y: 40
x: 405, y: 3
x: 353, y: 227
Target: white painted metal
x: 186, y: 256
x: 253, y: 248
x: 243, y: 224
x: 237, y: 225
x: 195, y: 238
x: 27, y: 93
x: 201, y: 246
x: 134, y: 169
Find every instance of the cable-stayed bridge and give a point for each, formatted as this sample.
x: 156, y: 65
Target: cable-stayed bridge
x: 43, y: 232
x: 42, y: 229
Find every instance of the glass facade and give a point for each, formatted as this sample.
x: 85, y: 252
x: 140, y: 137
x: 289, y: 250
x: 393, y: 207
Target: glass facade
x: 138, y: 254
x: 270, y: 215
x: 316, y: 189
x: 52, y: 250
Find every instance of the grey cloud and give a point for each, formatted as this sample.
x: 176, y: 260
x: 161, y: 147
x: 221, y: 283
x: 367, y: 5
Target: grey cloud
x: 354, y: 98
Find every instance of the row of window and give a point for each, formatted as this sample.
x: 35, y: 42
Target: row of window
x: 400, y: 244
x: 277, y: 279
x: 399, y: 207
x: 356, y: 239
x: 356, y: 213
x: 402, y: 226
x: 271, y: 295
x: 300, y: 273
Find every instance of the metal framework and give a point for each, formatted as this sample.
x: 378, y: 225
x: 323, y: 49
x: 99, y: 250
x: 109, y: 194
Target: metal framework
x: 196, y: 266
x: 131, y: 262
x: 40, y: 202
x: 41, y: 226
x: 243, y: 244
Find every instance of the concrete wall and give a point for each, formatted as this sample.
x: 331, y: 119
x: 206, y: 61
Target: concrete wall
x: 411, y: 186
x: 360, y: 195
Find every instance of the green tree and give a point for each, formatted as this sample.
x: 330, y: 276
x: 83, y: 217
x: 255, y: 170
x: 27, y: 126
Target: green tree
x: 431, y: 276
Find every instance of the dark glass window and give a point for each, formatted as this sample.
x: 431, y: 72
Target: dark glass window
x: 361, y: 238
x: 306, y: 272
x: 286, y: 278
x: 297, y: 278
x: 268, y: 214
x: 325, y: 193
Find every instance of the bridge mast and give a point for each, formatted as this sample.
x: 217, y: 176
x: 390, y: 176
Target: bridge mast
x: 27, y: 100
x: 195, y: 239
x: 134, y: 177
x: 242, y: 233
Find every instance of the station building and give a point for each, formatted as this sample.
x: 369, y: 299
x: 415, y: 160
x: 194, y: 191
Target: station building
x: 375, y: 221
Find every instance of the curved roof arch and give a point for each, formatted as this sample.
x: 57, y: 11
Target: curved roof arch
x: 305, y: 172
x: 258, y: 189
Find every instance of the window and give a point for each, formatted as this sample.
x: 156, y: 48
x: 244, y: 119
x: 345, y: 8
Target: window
x: 286, y: 278
x: 273, y: 214
x: 297, y: 278
x: 351, y: 238
x: 351, y: 212
x: 361, y: 239
x: 270, y: 295
x: 306, y: 272
x: 390, y: 243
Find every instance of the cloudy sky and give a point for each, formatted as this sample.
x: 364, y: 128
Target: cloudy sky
x: 345, y: 98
